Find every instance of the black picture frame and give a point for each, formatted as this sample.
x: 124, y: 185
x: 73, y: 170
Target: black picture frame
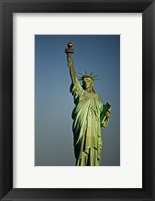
x: 7, y: 8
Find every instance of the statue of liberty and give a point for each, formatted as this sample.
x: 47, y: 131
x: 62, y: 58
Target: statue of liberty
x: 89, y: 115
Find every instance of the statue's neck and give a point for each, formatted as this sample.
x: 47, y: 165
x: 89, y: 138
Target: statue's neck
x: 89, y: 90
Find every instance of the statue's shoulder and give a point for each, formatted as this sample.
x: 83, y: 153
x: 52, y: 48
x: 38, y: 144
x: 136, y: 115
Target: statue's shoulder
x: 98, y: 98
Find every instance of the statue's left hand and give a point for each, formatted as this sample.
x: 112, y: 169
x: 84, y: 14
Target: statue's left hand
x: 108, y: 113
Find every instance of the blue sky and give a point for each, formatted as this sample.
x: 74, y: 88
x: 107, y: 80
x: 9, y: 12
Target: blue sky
x: 99, y: 54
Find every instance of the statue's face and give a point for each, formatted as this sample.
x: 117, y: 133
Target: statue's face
x: 87, y: 83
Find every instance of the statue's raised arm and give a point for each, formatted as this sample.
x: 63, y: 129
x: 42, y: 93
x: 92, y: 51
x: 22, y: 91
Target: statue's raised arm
x: 69, y: 51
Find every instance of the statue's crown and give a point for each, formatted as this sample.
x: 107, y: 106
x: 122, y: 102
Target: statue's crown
x: 91, y: 76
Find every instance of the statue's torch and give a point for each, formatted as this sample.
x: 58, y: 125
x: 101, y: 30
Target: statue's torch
x: 69, y: 50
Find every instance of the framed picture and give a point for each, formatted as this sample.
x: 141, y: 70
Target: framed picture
x: 113, y: 39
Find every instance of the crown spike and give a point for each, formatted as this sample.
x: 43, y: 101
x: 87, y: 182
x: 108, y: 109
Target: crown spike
x: 96, y: 79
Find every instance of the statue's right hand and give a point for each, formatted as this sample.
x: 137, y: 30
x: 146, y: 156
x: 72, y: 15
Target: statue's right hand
x: 69, y: 59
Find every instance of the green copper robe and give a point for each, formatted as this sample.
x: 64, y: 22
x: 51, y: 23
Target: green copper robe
x: 87, y: 126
